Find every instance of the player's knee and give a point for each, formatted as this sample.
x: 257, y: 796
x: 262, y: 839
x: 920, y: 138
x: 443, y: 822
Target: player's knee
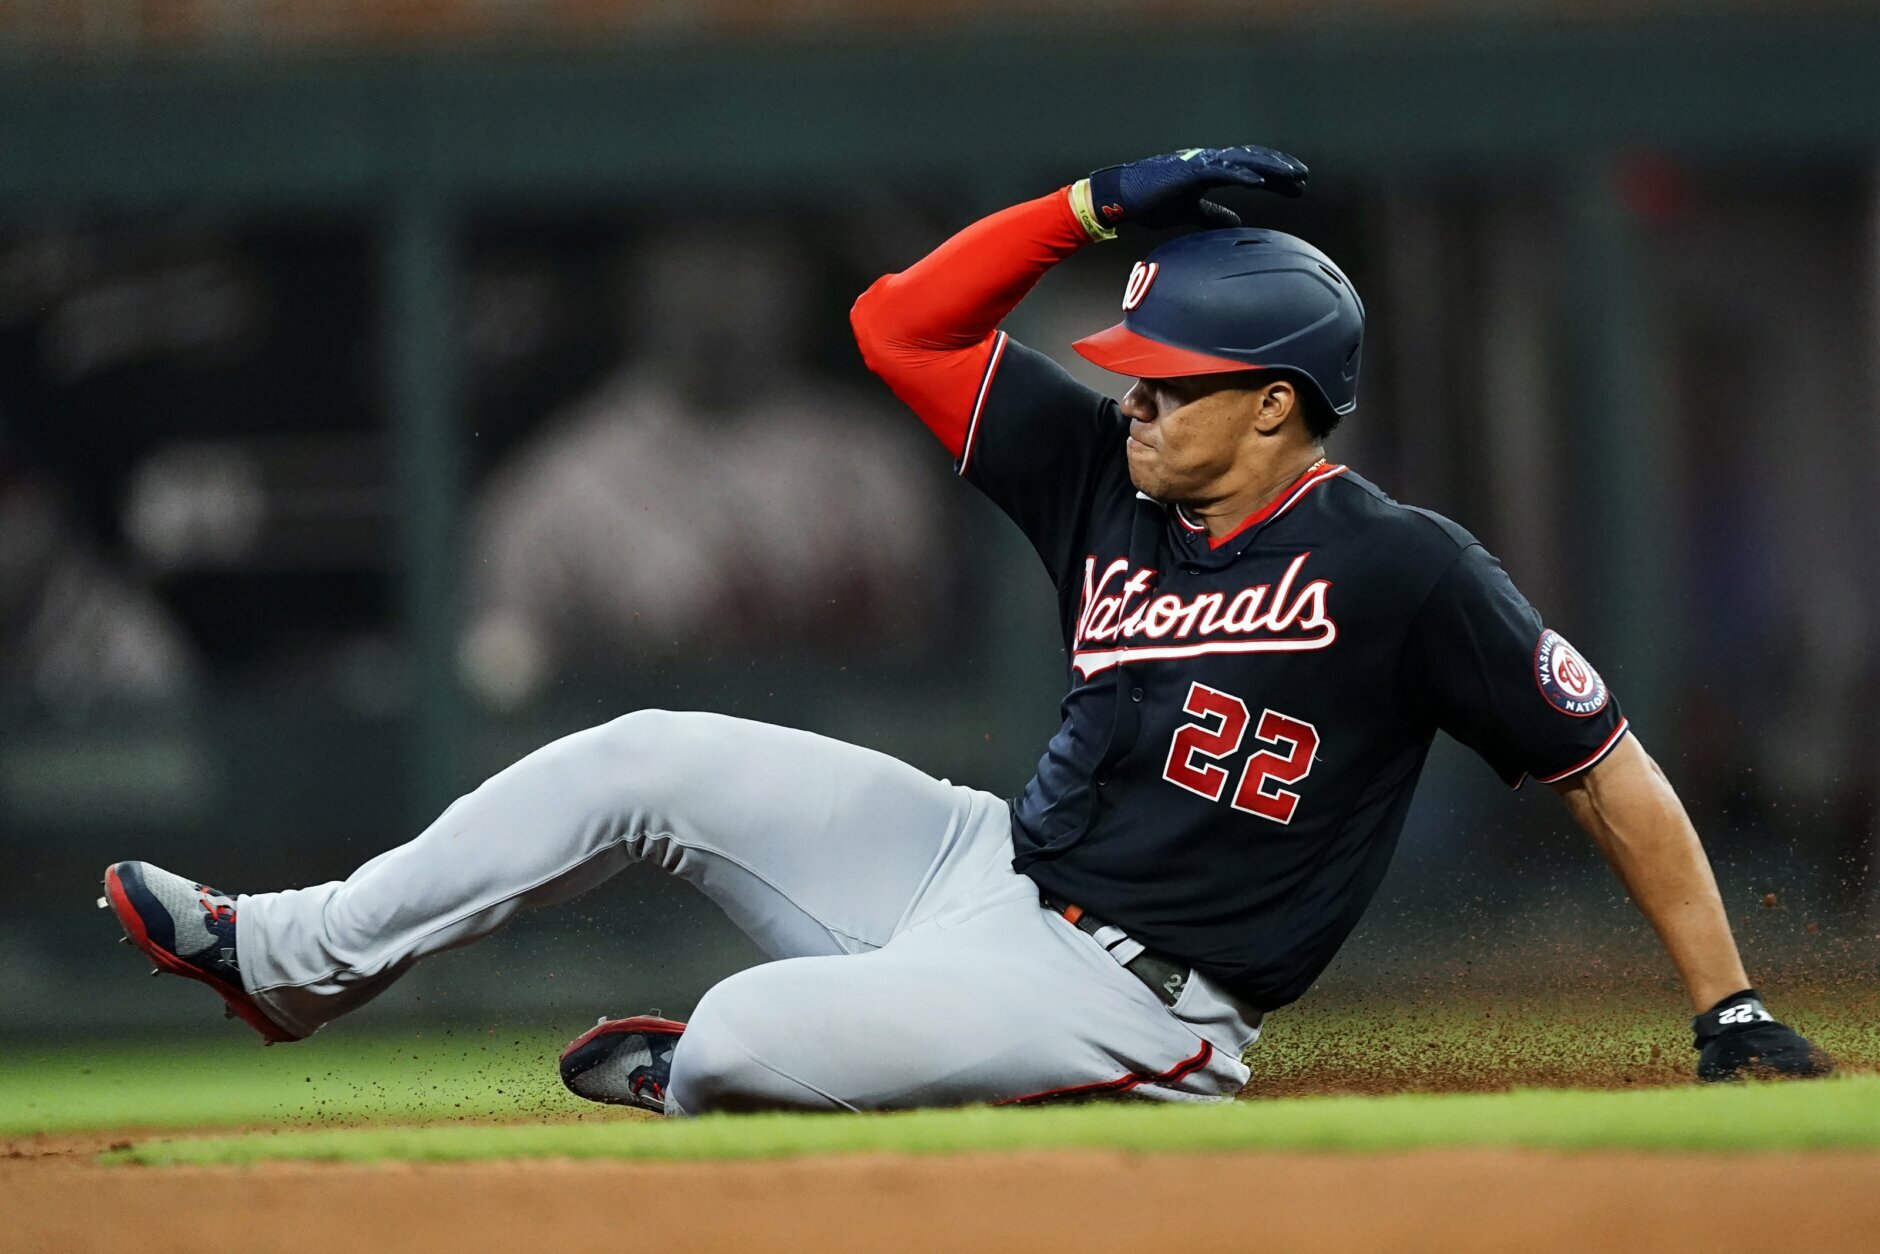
x: 642, y: 731
x: 652, y: 739
x: 723, y: 1062
x: 643, y: 750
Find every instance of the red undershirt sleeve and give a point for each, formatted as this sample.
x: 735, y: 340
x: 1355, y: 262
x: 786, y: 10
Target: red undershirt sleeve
x: 930, y: 331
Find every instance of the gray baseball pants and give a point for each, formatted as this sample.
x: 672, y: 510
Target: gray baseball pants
x: 913, y: 966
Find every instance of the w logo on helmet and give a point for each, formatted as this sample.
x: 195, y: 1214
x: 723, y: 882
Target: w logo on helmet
x: 1140, y: 277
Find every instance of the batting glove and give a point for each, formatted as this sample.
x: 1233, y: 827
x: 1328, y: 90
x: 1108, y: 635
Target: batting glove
x: 1170, y: 190
x: 1738, y: 1038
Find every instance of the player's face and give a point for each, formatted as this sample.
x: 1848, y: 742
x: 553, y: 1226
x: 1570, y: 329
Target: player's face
x: 1185, y: 435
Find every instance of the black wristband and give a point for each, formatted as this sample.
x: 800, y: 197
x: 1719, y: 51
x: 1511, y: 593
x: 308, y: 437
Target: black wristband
x: 1738, y: 1010
x: 1748, y: 992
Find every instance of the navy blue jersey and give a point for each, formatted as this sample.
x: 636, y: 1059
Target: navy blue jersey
x: 1247, y: 719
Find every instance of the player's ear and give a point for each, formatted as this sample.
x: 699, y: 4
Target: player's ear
x: 1277, y: 399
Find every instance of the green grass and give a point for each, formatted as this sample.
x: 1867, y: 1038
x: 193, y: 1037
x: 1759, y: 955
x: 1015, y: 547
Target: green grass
x: 307, y: 1095
x: 1841, y: 1114
x: 229, y: 1080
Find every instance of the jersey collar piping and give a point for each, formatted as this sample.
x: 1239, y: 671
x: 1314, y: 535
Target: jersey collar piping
x: 1288, y: 497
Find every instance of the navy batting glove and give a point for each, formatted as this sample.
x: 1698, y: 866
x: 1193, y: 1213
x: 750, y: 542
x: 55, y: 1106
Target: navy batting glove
x: 1738, y: 1038
x: 1170, y: 190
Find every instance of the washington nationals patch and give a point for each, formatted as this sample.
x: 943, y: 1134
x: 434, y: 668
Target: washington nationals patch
x: 1566, y: 679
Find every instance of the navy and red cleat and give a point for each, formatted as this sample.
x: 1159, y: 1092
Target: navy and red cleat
x: 623, y: 1062
x: 187, y: 929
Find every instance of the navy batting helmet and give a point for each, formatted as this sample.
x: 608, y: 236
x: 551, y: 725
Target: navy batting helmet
x: 1244, y: 299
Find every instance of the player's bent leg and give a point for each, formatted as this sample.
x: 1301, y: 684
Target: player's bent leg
x: 812, y: 846
x: 997, y: 1001
x: 720, y: 1065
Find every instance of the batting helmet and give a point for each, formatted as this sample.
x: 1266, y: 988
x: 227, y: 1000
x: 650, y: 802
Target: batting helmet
x: 1243, y: 299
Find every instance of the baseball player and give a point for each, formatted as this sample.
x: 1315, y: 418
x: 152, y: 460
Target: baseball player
x: 1262, y: 645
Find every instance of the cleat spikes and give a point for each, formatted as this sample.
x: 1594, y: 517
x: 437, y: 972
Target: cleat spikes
x: 124, y: 940
x: 104, y: 903
x: 153, y: 906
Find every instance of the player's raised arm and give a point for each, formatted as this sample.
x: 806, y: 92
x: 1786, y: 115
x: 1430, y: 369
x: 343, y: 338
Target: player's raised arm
x: 1631, y: 811
x: 929, y: 331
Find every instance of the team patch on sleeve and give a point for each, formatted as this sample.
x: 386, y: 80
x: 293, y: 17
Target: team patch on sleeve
x: 1566, y: 679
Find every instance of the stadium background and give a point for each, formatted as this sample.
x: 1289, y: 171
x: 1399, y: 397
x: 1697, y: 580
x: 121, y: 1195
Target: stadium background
x: 377, y: 385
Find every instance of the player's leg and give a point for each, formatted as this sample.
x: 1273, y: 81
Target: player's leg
x: 993, y: 1000
x: 811, y: 845
x: 985, y: 996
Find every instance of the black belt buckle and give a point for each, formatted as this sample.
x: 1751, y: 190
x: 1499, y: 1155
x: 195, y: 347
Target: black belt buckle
x: 1165, y: 977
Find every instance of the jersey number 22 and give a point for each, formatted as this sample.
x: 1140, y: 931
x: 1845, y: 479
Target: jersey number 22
x: 1224, y: 717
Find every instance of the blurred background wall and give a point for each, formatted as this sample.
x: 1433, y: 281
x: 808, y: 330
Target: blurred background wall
x: 387, y: 388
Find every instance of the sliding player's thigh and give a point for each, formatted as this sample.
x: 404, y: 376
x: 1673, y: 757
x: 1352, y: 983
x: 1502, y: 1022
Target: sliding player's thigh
x: 809, y: 844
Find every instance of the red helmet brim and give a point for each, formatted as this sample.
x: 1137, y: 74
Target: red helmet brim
x: 1125, y: 352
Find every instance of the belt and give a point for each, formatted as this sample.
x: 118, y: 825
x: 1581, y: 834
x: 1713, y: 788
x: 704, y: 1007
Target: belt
x: 1165, y: 977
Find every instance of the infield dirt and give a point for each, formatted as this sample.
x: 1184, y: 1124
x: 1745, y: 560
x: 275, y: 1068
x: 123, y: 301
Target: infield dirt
x: 1435, y: 1200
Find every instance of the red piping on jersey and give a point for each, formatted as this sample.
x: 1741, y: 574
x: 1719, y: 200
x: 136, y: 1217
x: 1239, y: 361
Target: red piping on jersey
x: 929, y: 331
x: 1288, y: 497
x: 1122, y: 1084
x: 979, y: 405
x: 1612, y: 743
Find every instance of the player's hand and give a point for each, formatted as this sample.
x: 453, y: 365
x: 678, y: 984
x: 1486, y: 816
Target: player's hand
x: 1170, y: 190
x: 1738, y: 1038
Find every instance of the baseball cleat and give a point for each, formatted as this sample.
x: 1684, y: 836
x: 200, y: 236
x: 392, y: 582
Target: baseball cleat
x: 623, y: 1062
x: 187, y: 929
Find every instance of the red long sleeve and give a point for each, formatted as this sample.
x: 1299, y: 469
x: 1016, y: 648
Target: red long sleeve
x: 929, y: 330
